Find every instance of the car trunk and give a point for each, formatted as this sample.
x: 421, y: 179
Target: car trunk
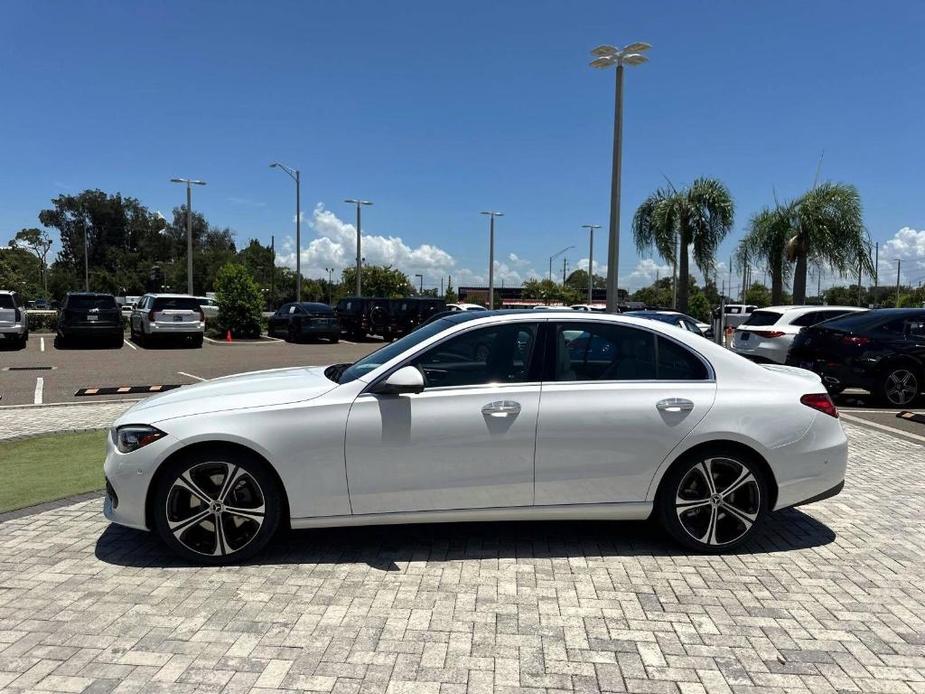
x: 91, y: 311
x: 176, y: 311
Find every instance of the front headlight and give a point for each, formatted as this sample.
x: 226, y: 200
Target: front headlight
x: 131, y: 437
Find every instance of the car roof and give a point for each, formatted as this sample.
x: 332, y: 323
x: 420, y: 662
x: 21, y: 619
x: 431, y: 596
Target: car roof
x: 89, y: 294
x: 172, y: 296
x: 787, y: 308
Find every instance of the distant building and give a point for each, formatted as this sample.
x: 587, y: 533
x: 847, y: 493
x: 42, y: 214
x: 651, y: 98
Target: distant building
x: 513, y: 296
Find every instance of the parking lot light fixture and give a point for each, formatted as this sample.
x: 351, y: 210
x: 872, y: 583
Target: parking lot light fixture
x: 421, y: 286
x: 190, y: 182
x: 556, y: 255
x: 590, y: 228
x: 359, y: 204
x: 605, y: 57
x: 296, y: 176
x: 491, y: 256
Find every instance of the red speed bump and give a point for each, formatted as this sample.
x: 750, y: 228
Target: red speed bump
x: 125, y: 390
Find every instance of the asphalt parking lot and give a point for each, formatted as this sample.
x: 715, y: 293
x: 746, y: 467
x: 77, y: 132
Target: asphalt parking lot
x: 64, y: 371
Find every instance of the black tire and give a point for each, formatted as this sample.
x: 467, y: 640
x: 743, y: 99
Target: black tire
x: 197, y: 342
x: 23, y: 341
x: 59, y: 341
x: 176, y: 509
x: 712, y: 519
x: 900, y: 385
x: 117, y: 342
x: 334, y: 339
x: 291, y: 335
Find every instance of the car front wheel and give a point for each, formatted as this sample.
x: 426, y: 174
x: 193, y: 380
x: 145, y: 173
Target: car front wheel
x: 217, y: 509
x: 900, y: 386
x: 713, y: 502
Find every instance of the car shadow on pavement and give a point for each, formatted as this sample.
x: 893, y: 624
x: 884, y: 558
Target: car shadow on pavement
x: 386, y: 547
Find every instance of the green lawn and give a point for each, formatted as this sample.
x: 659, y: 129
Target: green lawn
x: 49, y: 467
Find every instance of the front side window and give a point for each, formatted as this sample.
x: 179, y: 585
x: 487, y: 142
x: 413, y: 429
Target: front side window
x: 612, y: 352
x: 495, y: 354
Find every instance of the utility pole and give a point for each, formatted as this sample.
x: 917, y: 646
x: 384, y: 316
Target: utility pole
x: 564, y: 268
x: 590, y: 228
x: 876, y: 271
x: 86, y: 262
x: 860, y: 273
x: 296, y: 176
x: 421, y: 285
x: 441, y: 286
x: 491, y: 256
x: 189, y: 228
x: 898, y: 263
x: 272, y: 271
x: 359, y: 204
x: 674, y: 274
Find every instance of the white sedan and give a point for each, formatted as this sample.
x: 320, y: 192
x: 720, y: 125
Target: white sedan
x: 482, y: 416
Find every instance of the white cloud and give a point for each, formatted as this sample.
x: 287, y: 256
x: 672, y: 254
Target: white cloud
x: 908, y: 246
x: 645, y: 273
x: 334, y: 245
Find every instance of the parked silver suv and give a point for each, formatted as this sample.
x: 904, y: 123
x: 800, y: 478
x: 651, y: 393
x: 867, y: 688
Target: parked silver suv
x: 14, y: 323
x: 161, y: 316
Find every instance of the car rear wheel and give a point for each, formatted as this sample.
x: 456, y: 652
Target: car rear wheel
x: 713, y: 501
x: 217, y: 509
x: 291, y: 334
x: 900, y: 386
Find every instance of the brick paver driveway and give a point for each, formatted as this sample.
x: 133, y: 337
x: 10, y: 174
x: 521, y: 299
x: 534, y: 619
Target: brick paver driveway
x: 830, y: 599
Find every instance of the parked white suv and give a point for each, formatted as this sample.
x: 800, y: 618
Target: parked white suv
x: 174, y: 316
x: 767, y: 334
x: 14, y: 323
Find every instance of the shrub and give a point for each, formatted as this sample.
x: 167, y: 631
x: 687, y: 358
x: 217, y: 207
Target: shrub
x: 43, y: 322
x: 239, y: 301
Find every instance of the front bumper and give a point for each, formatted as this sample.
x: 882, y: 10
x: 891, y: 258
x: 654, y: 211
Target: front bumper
x: 128, y: 480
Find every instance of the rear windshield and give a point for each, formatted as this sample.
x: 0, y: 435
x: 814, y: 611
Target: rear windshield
x: 176, y: 304
x: 867, y: 320
x: 763, y: 318
x: 6, y: 301
x: 84, y: 302
x: 318, y: 309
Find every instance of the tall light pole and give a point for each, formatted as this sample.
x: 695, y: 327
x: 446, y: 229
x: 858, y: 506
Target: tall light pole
x: 491, y: 256
x: 607, y: 56
x: 86, y: 262
x: 189, y: 227
x: 359, y: 203
x: 296, y: 176
x: 421, y: 278
x: 556, y: 255
x: 590, y: 228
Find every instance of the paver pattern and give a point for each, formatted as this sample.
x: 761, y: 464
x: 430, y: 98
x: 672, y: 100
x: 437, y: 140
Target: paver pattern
x: 27, y: 421
x: 829, y: 599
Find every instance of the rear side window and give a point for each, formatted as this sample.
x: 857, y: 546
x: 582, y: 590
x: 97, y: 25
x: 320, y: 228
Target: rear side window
x: 6, y: 301
x: 318, y: 309
x: 814, y: 317
x: 675, y: 363
x: 763, y: 318
x: 83, y: 302
x: 181, y: 303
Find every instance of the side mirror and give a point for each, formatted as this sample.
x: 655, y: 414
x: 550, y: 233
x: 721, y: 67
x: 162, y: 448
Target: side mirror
x: 406, y: 380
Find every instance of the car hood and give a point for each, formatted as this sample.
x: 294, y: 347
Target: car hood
x: 254, y: 389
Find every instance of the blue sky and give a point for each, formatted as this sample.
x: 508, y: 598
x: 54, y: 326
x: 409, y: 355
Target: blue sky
x: 436, y: 111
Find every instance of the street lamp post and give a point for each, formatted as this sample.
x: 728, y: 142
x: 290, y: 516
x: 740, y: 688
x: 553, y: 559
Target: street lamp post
x: 608, y: 56
x: 296, y: 176
x: 189, y: 227
x: 86, y: 263
x: 330, y: 272
x: 556, y: 255
x: 491, y: 256
x: 359, y: 203
x: 590, y: 228
x: 421, y: 286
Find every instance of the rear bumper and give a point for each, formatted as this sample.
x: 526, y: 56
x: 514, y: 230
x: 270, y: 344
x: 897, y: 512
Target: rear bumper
x: 827, y: 494
x: 13, y: 332
x: 91, y: 330
x: 178, y: 328
x: 324, y: 330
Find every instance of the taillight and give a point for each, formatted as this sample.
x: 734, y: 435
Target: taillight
x: 821, y: 402
x: 202, y: 315
x: 17, y: 315
x: 768, y: 333
x: 855, y: 340
x: 151, y: 316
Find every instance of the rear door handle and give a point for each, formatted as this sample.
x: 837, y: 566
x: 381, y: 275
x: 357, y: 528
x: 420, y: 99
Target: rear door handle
x: 674, y: 405
x: 501, y: 408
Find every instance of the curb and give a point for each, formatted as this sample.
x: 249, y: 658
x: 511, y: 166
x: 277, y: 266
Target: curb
x: 50, y: 505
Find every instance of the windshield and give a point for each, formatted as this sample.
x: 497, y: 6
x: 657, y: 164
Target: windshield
x: 392, y: 350
x: 763, y: 318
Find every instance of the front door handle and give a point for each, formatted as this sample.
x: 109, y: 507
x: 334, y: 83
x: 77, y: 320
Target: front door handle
x: 501, y: 408
x: 674, y: 405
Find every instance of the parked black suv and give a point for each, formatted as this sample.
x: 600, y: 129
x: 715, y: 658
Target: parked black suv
x: 390, y: 318
x: 881, y: 351
x: 407, y: 314
x: 295, y: 322
x: 92, y: 316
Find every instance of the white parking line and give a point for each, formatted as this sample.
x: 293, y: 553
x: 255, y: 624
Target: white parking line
x: 130, y: 345
x: 198, y: 378
x: 39, y: 390
x: 41, y: 344
x: 882, y: 427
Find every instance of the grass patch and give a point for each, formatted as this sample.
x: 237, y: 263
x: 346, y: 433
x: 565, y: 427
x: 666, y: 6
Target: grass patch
x: 50, y: 467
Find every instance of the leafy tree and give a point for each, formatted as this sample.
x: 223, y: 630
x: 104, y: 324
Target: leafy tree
x: 450, y: 293
x: 766, y: 241
x: 38, y: 242
x: 758, y: 295
x: 699, y: 307
x: 828, y: 228
x: 696, y: 218
x: 578, y: 280
x: 19, y: 271
x: 378, y: 280
x: 239, y: 301
x: 548, y: 291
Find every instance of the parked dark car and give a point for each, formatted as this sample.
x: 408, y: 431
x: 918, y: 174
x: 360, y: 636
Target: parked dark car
x: 90, y: 316
x: 408, y: 313
x: 362, y: 316
x: 296, y: 322
x: 881, y: 351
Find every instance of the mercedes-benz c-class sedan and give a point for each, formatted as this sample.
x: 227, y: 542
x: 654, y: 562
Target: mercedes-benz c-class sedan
x: 479, y: 416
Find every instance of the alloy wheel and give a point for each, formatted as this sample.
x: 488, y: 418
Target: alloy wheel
x: 718, y: 501
x: 901, y: 387
x: 215, y: 508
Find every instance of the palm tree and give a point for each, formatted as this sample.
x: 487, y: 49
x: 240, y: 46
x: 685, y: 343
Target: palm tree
x: 766, y: 241
x: 828, y: 227
x: 697, y: 218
